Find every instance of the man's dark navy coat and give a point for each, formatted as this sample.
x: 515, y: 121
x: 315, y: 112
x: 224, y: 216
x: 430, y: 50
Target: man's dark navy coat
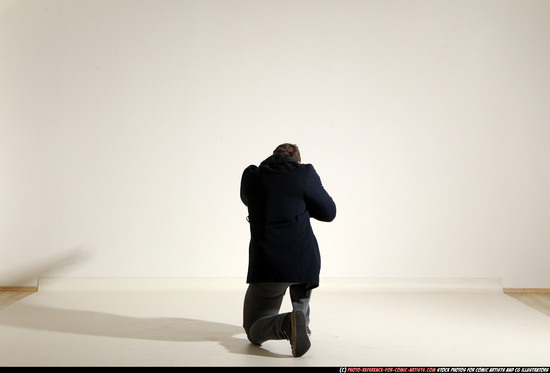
x: 282, y: 195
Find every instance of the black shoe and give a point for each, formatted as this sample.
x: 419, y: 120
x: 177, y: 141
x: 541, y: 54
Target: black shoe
x: 299, y: 340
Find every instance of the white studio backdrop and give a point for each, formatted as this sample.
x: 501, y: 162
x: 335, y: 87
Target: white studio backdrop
x: 125, y: 126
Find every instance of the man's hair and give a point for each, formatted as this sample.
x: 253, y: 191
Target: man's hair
x: 289, y: 149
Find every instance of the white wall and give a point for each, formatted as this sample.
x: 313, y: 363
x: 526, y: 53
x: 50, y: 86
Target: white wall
x: 125, y: 126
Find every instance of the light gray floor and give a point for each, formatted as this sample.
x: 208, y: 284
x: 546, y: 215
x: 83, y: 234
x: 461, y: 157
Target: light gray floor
x: 352, y: 326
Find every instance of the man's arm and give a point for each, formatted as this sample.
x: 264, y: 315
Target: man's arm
x: 245, y: 182
x: 243, y: 188
x: 318, y: 202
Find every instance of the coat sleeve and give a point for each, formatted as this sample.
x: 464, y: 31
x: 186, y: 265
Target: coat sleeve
x: 245, y: 183
x: 318, y: 202
x: 244, y: 199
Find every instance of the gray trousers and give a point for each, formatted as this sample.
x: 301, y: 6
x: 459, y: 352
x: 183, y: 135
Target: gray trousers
x: 261, y: 318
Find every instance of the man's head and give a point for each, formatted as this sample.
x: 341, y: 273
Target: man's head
x: 289, y: 149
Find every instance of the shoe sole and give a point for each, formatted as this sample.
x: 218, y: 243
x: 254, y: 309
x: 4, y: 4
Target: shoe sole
x: 299, y: 340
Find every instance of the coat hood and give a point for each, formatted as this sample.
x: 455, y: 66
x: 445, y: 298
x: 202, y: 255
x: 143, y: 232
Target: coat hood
x: 277, y: 158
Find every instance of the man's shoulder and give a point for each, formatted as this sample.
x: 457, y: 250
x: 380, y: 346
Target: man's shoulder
x: 308, y: 167
x: 250, y: 171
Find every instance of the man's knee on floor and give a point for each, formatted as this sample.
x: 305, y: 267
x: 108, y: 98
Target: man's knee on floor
x: 250, y: 338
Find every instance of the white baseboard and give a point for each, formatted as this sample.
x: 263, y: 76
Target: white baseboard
x: 447, y: 285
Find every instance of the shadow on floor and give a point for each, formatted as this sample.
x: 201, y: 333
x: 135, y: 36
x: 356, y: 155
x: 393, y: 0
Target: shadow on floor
x: 110, y: 325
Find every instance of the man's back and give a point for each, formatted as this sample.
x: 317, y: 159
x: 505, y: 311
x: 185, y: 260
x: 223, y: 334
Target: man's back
x: 281, y: 195
x: 274, y: 192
